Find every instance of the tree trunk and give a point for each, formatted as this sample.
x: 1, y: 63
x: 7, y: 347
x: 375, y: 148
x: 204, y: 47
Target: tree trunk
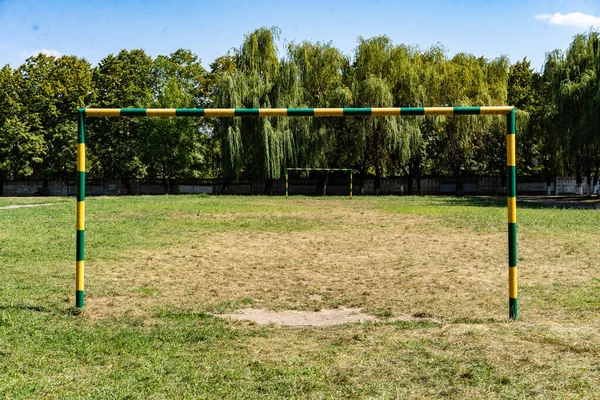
x: 589, y: 183
x: 225, y: 184
x: 419, y: 176
x: 579, y: 181
x: 321, y: 188
x: 409, y: 184
x: 269, y: 186
x: 2, y: 183
x: 459, y: 181
x: 548, y: 184
x: 377, y: 178
x: 127, y: 184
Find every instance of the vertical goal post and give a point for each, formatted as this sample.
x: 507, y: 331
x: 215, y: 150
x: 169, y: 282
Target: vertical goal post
x: 511, y: 182
x: 287, y: 172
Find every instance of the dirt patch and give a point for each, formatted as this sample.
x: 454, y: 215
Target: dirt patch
x: 338, y: 316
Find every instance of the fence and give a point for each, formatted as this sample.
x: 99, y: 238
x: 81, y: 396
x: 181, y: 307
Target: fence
x: 335, y: 186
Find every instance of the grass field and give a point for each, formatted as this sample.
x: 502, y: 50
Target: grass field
x: 158, y: 270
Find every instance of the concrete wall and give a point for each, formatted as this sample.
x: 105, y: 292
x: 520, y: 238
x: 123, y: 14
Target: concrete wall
x: 337, y: 186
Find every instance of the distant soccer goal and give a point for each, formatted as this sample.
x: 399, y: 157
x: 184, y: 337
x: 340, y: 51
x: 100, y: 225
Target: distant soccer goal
x: 287, y: 173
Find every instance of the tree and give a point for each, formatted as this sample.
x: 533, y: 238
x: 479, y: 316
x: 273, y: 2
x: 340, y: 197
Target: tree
x: 312, y: 77
x: 120, y: 81
x: 176, y: 147
x: 381, y: 135
x: 50, y: 90
x: 262, y: 150
x: 21, y: 149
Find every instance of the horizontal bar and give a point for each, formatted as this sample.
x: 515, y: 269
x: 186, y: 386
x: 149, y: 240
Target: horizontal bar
x: 293, y: 112
x: 319, y: 169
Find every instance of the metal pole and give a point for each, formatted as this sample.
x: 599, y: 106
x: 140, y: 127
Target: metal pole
x: 286, y: 184
x: 511, y: 194
x: 80, y: 232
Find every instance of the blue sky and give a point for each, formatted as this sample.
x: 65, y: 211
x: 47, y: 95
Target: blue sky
x: 93, y: 29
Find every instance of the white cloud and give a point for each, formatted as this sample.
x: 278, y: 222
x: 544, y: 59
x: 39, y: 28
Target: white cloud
x: 576, y: 19
x: 48, y: 52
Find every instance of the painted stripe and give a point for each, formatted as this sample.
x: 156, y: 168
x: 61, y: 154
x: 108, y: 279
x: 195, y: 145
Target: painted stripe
x: 438, y: 111
x: 80, y: 185
x: 81, y: 126
x: 161, y: 112
x: 496, y: 110
x: 512, y: 244
x: 133, y: 112
x: 103, y: 112
x: 511, y: 124
x: 81, y: 157
x: 79, y: 298
x: 80, y: 215
x: 511, y: 150
x: 219, y: 112
x: 189, y: 112
x: 513, y: 309
x: 385, y: 112
x: 79, y: 275
x: 273, y: 112
x: 246, y: 112
x: 467, y: 110
x: 512, y: 209
x: 348, y: 112
x: 318, y: 169
x: 511, y: 181
x: 329, y: 112
x: 295, y: 112
x: 300, y: 112
x: 80, y: 244
x: 512, y: 282
x: 412, y: 111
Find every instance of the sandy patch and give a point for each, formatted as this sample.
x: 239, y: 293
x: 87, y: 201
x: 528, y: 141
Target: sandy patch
x: 331, y: 317
x: 25, y: 206
x: 338, y: 316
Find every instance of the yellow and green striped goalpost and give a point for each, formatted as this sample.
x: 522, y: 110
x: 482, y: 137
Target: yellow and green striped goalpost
x: 511, y: 182
x: 287, y: 172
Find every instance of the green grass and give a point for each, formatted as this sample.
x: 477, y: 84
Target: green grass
x: 176, y: 348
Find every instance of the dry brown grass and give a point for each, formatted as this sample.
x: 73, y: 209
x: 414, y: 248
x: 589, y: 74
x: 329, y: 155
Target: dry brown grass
x: 356, y: 256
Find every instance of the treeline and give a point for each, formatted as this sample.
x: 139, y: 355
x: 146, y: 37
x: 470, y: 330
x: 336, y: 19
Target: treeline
x: 557, y: 118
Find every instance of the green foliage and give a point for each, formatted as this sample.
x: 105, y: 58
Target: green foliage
x: 176, y: 147
x: 120, y: 81
x: 557, y: 117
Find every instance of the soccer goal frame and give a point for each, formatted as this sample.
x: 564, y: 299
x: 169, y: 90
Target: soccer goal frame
x: 287, y: 172
x: 511, y: 182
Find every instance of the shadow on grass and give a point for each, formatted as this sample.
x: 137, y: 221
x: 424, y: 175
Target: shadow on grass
x: 24, y: 307
x: 527, y: 203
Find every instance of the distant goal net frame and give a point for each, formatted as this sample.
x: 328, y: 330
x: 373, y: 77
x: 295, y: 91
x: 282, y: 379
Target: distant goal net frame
x: 511, y: 183
x: 308, y: 169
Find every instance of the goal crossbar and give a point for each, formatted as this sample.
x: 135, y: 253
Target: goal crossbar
x: 511, y: 182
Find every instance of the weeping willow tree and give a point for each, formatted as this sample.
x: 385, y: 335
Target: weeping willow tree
x: 256, y: 148
x: 408, y: 89
x: 465, y: 80
x: 313, y: 78
x: 578, y: 103
x: 385, y: 149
